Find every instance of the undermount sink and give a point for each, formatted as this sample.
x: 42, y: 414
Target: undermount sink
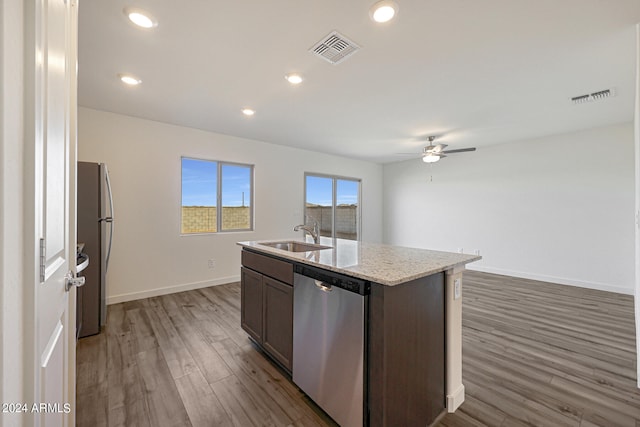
x: 293, y: 246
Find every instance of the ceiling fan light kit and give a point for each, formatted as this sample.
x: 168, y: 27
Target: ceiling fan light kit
x: 431, y: 158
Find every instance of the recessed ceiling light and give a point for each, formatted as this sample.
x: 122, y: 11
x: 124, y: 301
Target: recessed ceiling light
x: 140, y: 18
x: 383, y: 11
x: 248, y: 111
x: 294, y: 78
x: 128, y: 79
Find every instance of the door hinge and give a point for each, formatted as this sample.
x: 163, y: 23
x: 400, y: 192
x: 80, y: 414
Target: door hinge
x: 43, y: 258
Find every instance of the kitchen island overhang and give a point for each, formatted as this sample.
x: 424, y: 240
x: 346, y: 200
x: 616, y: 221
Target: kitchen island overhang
x: 415, y: 303
x: 385, y: 264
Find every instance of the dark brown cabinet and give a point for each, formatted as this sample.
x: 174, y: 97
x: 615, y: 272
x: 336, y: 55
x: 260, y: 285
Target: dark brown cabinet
x: 267, y: 305
x: 277, y: 308
x: 251, y: 291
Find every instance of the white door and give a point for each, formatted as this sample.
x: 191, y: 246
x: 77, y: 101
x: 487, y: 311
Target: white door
x: 52, y: 24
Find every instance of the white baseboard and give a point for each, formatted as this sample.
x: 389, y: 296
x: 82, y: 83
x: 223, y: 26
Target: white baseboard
x: 455, y: 399
x: 552, y: 279
x: 115, y: 299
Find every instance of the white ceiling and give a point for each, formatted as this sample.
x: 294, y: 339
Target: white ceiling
x: 477, y: 72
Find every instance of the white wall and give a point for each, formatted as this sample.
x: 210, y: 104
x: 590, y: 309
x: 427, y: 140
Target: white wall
x: 11, y: 224
x: 558, y: 209
x: 149, y: 256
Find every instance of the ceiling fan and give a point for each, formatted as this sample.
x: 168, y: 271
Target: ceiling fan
x: 434, y: 152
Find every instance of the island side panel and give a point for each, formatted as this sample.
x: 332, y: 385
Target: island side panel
x: 407, y: 352
x: 455, y: 388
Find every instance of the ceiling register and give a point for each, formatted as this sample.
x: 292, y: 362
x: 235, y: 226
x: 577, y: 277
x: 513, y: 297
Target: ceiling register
x: 334, y: 48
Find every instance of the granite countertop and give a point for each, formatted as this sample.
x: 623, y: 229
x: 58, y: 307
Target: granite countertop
x: 384, y: 264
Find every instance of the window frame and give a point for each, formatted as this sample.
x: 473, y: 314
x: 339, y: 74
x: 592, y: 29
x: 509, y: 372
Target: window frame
x: 334, y: 197
x: 219, y: 186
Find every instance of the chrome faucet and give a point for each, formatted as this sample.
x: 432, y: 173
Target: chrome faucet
x: 313, y: 230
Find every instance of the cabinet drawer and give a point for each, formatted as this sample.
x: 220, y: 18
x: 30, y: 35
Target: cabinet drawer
x: 272, y: 267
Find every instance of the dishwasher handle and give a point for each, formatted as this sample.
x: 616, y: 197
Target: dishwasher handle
x: 324, y: 287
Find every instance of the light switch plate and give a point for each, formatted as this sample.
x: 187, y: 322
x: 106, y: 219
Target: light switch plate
x: 457, y: 288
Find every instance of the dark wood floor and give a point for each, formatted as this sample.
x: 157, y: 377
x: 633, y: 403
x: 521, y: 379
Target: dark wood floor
x: 533, y: 354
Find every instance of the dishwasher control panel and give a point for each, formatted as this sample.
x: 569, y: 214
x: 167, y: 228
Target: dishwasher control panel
x: 352, y: 284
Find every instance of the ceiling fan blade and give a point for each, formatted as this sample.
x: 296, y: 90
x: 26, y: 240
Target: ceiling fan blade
x: 460, y: 150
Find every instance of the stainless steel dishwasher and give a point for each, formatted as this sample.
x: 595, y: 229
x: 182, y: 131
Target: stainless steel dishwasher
x: 329, y: 363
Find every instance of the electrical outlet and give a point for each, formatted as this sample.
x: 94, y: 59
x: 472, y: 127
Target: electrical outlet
x: 212, y: 263
x: 457, y: 288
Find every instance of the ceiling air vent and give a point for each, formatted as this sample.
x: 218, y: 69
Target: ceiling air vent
x: 595, y: 96
x: 334, y: 48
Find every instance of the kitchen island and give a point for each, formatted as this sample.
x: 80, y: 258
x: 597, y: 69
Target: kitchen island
x: 411, y: 351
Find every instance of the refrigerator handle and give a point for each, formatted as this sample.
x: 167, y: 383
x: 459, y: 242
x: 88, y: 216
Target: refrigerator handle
x: 109, y: 218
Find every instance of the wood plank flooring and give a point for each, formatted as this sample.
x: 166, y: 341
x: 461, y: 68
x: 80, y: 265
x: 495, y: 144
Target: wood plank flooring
x: 534, y: 354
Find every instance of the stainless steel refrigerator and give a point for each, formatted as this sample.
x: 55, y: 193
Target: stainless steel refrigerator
x: 95, y: 230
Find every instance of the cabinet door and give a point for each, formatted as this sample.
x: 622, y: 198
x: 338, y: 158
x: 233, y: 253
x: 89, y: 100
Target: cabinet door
x: 278, y: 320
x: 251, y: 295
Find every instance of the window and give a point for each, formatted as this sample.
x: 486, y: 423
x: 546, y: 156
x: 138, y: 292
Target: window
x: 334, y: 202
x: 216, y: 196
